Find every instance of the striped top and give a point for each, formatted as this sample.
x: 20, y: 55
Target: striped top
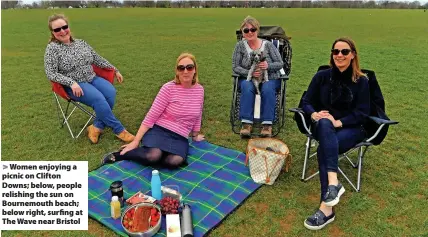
x: 177, y: 109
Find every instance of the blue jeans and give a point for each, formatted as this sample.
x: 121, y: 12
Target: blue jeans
x: 332, y: 142
x: 268, y: 100
x: 100, y: 95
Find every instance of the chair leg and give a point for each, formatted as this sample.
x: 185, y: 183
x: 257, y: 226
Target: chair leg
x: 347, y: 179
x: 235, y: 128
x: 66, y: 116
x: 361, y: 153
x: 307, y: 150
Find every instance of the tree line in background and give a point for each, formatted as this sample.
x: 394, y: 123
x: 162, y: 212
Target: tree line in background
x: 46, y: 4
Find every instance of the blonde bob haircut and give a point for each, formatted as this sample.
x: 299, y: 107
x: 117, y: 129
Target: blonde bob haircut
x: 191, y: 57
x: 252, y: 21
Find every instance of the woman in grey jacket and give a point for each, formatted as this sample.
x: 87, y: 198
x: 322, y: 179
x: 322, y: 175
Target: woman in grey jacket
x: 241, y: 64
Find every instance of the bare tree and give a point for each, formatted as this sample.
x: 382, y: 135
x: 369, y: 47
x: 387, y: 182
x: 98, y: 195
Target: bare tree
x: 163, y: 4
x: 128, y: 3
x: 9, y: 4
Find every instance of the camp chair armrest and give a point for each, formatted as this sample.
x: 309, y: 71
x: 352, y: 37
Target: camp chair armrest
x: 382, y: 121
x: 297, y: 110
x: 284, y: 77
x: 302, y: 117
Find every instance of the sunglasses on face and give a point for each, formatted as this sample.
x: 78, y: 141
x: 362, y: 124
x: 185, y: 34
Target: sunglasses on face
x: 64, y: 27
x: 189, y: 67
x: 246, y: 30
x: 343, y: 51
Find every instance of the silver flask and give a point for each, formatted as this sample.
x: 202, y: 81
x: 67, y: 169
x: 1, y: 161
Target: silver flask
x: 186, y: 221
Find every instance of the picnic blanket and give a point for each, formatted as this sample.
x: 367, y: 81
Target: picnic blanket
x: 214, y: 184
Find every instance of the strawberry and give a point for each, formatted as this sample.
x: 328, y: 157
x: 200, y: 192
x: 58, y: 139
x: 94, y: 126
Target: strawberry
x: 155, y: 218
x: 153, y: 223
x: 153, y: 211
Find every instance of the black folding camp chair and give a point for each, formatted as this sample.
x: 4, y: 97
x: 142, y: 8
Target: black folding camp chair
x: 278, y: 37
x: 376, y: 128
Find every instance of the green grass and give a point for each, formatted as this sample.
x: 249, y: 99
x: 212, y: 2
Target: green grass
x: 144, y: 43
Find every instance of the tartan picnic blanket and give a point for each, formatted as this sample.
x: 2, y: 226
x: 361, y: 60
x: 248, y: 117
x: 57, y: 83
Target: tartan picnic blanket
x: 214, y: 184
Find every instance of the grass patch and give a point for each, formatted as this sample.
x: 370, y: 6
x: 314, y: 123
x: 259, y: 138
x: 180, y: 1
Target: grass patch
x: 144, y: 43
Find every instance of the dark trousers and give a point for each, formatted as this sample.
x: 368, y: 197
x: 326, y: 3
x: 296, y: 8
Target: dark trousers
x: 152, y: 156
x: 332, y: 142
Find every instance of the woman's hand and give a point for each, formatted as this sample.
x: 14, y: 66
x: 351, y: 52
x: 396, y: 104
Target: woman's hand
x: 319, y: 115
x: 198, y: 138
x: 77, y: 90
x: 257, y: 73
x: 128, y: 147
x: 119, y: 77
x: 263, y: 65
x: 336, y: 123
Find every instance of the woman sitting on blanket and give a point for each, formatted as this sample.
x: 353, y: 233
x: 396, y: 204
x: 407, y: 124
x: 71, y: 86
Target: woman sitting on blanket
x: 338, y: 101
x: 175, y: 115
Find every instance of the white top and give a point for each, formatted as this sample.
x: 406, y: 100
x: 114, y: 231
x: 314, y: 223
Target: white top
x: 114, y: 198
x: 155, y: 172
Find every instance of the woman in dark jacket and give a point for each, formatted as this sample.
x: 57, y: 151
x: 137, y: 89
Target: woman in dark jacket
x: 338, y: 101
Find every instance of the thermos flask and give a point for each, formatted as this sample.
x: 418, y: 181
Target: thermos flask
x: 186, y: 221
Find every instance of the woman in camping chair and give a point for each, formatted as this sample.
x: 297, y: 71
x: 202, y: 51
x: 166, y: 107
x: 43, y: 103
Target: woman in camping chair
x: 68, y: 61
x: 338, y: 102
x: 241, y: 64
x: 175, y: 115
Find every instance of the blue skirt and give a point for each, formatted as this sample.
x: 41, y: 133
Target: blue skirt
x: 166, y: 140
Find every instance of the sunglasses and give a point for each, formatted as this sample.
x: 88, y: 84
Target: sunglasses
x: 246, y: 30
x: 343, y: 51
x: 189, y: 67
x: 64, y: 27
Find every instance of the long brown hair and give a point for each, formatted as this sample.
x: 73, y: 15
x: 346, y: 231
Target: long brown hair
x: 191, y: 57
x: 53, y: 18
x: 355, y: 62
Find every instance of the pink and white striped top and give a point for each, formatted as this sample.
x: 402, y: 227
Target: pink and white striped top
x: 177, y: 109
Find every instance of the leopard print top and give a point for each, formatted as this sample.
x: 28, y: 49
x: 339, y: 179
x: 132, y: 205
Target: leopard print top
x: 69, y: 63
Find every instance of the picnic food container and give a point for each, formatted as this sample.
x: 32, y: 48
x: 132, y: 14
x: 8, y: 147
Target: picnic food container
x: 171, y: 191
x: 140, y: 197
x: 152, y: 230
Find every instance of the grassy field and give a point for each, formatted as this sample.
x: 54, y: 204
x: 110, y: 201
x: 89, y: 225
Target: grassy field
x: 144, y: 43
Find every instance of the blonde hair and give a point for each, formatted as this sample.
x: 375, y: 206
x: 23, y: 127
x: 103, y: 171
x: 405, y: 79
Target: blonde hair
x: 53, y: 18
x: 191, y: 57
x: 252, y: 21
x: 355, y: 62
